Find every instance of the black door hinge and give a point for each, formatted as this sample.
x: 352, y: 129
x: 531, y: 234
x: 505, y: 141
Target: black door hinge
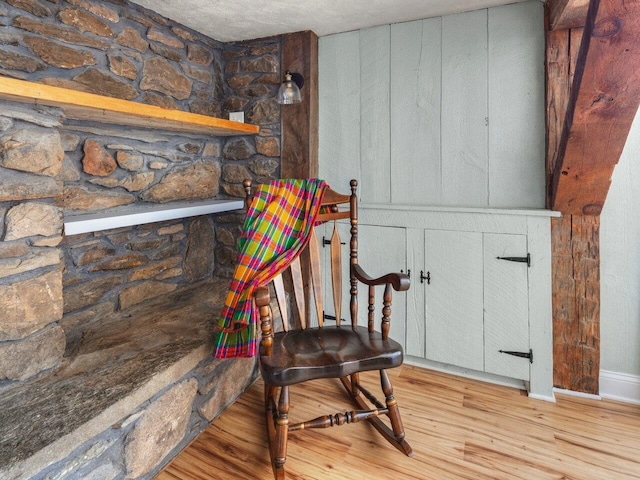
x: 526, y: 259
x: 331, y: 317
x: 326, y: 241
x: 528, y: 354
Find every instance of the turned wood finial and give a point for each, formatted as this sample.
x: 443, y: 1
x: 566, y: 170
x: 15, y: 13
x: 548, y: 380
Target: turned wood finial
x: 247, y: 190
x: 247, y: 186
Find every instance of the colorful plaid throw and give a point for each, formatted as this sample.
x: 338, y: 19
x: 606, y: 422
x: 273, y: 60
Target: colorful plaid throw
x: 276, y: 228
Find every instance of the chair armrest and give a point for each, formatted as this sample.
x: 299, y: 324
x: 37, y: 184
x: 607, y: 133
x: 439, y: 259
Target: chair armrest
x: 399, y: 281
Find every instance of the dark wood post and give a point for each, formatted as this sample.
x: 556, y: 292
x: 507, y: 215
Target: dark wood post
x: 299, y: 151
x: 299, y: 122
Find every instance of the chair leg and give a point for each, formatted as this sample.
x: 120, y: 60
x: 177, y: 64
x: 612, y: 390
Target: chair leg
x: 277, y: 417
x: 394, y: 412
x: 282, y: 433
x: 270, y: 416
x: 396, y: 436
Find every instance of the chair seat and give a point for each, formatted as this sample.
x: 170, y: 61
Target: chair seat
x: 328, y: 352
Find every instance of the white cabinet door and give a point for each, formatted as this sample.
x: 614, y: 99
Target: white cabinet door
x: 473, y: 304
x: 453, y: 298
x: 506, y: 306
x: 476, y: 304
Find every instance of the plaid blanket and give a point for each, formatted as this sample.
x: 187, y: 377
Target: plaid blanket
x: 276, y: 227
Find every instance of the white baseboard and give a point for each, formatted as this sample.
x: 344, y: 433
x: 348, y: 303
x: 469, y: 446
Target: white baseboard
x: 620, y: 386
x: 545, y: 398
x: 575, y: 393
x: 464, y: 372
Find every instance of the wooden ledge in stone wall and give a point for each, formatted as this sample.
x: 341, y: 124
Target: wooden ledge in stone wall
x: 112, y: 366
x: 88, y: 106
x: 141, y: 213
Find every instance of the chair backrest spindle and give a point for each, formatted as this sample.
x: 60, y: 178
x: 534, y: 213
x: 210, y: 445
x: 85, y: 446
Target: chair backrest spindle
x: 278, y: 286
x: 316, y: 278
x: 372, y: 308
x: 336, y: 273
x: 353, y: 252
x: 298, y: 291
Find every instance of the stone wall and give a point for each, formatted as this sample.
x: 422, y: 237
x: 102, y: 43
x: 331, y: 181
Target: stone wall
x: 51, y: 286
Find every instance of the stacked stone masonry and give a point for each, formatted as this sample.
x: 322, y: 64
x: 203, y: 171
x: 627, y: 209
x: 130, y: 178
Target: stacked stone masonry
x: 56, y: 290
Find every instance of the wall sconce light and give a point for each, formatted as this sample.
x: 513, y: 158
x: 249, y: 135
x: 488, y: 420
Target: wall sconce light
x: 290, y: 89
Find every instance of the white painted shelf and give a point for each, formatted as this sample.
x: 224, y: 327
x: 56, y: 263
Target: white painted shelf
x: 141, y: 213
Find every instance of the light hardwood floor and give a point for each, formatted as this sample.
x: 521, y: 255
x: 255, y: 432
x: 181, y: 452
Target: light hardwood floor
x: 458, y: 428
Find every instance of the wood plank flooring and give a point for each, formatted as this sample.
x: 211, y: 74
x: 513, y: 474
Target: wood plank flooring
x: 458, y: 428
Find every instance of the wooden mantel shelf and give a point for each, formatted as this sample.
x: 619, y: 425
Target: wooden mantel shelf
x: 88, y: 106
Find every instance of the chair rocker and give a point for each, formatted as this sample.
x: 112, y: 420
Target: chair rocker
x: 291, y: 354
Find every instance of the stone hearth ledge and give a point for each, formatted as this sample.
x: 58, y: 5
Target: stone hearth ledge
x: 123, y: 360
x: 63, y: 447
x: 141, y: 213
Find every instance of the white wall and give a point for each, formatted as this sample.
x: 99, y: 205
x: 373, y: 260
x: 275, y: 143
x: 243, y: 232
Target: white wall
x: 401, y: 93
x: 444, y: 111
x: 620, y: 263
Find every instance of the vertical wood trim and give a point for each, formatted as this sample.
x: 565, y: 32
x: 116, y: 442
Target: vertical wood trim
x: 416, y: 320
x: 575, y: 249
x: 576, y: 302
x: 540, y: 310
x: 299, y: 122
x: 299, y: 155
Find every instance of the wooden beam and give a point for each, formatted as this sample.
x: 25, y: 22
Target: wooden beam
x: 299, y: 151
x: 559, y: 77
x: 300, y: 121
x: 568, y: 13
x: 576, y: 302
x: 604, y: 99
x: 574, y: 242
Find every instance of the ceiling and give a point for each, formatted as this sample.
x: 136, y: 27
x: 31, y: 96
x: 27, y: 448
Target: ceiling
x: 232, y: 20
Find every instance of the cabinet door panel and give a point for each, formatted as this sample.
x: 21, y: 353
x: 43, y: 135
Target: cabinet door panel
x: 454, y: 330
x: 506, y: 305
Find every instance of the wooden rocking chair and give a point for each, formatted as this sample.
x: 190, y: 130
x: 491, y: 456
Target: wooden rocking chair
x: 291, y: 355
